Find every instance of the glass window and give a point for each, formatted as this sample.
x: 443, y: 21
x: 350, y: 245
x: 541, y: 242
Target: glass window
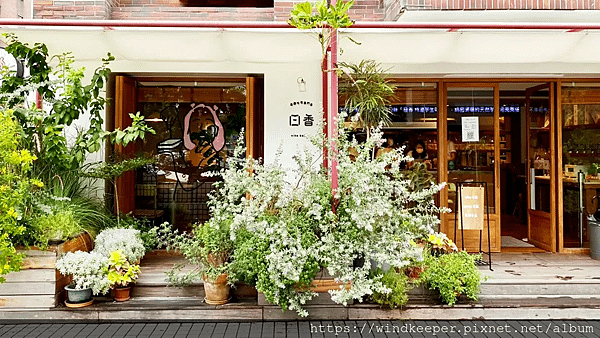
x: 581, y: 153
x: 196, y: 131
x: 471, y: 139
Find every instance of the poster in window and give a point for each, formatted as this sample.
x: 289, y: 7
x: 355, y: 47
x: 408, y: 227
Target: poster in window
x: 470, y: 128
x: 470, y: 209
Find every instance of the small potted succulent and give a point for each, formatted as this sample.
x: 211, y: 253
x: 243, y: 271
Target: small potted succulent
x: 121, y: 274
x: 89, y: 271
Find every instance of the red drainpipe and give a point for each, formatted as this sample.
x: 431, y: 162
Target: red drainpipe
x: 333, y: 104
x: 325, y: 89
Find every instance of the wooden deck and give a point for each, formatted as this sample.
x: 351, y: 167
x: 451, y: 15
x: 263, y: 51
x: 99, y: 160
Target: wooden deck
x: 525, y: 285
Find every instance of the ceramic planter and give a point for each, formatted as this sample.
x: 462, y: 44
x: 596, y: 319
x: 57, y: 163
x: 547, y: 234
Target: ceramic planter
x: 122, y: 294
x: 217, y: 292
x: 78, y: 297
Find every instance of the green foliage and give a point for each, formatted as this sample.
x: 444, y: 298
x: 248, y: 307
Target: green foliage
x: 70, y: 99
x: 367, y: 91
x: 137, y: 130
x: 112, y: 170
x: 453, y: 274
x: 209, y: 247
x: 15, y: 186
x: 57, y: 226
x: 120, y: 271
x: 147, y: 232
x: 249, y: 257
x: 321, y: 19
x: 398, y: 284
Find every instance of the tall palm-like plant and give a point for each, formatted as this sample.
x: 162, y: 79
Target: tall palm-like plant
x: 367, y: 91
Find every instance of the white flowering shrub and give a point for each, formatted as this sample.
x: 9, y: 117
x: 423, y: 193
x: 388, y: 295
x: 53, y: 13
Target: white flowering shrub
x: 128, y: 241
x: 89, y: 270
x: 284, y: 232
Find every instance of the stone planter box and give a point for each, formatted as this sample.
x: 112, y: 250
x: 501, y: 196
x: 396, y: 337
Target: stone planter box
x: 39, y: 286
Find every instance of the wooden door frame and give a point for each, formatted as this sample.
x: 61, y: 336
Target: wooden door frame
x: 254, y: 118
x: 551, y: 86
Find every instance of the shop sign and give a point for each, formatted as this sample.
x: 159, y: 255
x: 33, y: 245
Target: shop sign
x: 470, y: 211
x: 470, y: 128
x: 298, y: 120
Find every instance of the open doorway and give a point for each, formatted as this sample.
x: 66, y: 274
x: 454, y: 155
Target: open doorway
x: 525, y: 162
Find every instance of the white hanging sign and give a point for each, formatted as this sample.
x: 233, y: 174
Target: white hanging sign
x: 470, y: 128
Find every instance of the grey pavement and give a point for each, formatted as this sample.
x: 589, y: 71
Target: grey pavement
x: 300, y: 329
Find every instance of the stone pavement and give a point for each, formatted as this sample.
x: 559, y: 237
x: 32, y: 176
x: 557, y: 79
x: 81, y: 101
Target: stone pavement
x: 301, y: 329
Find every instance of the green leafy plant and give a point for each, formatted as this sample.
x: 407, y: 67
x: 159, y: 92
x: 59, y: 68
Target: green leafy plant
x: 110, y: 170
x: 89, y: 270
x: 15, y: 186
x: 322, y: 19
x: 69, y: 97
x: 121, y: 272
x: 453, y: 274
x: 55, y: 227
x: 208, y: 247
x: 398, y: 285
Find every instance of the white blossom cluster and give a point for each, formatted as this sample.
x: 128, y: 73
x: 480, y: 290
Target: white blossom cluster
x: 89, y: 270
x: 377, y: 216
x: 126, y: 240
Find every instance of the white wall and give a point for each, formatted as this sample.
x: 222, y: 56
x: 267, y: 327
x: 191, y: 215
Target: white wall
x: 284, y: 55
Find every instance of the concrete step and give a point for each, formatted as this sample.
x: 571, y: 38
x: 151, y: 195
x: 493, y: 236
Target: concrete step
x: 505, y: 289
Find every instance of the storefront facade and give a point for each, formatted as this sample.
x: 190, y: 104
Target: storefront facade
x: 533, y: 91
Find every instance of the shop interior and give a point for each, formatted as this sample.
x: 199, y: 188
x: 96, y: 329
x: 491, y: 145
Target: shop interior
x: 527, y: 138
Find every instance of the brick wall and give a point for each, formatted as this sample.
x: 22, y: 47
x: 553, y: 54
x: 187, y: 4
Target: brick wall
x: 500, y: 4
x: 78, y: 10
x: 363, y: 10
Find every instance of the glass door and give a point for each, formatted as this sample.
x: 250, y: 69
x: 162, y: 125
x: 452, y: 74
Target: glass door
x: 472, y: 114
x: 541, y: 167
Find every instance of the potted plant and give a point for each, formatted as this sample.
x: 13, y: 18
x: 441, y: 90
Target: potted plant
x: 89, y: 271
x: 453, y: 274
x: 121, y: 274
x: 209, y: 247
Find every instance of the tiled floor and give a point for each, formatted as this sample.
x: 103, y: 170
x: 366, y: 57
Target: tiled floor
x: 320, y: 329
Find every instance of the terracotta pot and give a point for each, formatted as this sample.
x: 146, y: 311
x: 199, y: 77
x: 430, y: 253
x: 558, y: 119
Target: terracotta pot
x: 216, y: 292
x: 121, y: 294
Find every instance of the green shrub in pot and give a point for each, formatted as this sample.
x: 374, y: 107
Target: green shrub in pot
x: 121, y: 272
x: 453, y: 274
x: 55, y: 227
